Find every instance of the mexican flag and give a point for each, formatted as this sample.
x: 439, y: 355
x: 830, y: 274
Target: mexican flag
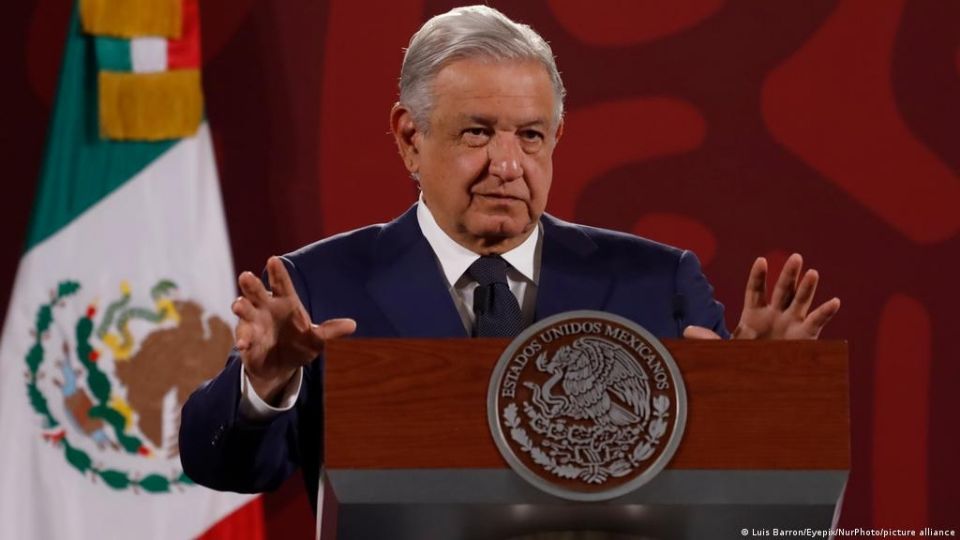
x: 121, y: 305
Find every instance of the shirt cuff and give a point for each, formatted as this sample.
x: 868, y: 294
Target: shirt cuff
x: 252, y: 407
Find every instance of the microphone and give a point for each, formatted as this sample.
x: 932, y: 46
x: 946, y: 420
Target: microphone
x: 481, y: 299
x: 481, y: 303
x: 679, y: 311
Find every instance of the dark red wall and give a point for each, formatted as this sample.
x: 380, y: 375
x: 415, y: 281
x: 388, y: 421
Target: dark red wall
x: 732, y: 128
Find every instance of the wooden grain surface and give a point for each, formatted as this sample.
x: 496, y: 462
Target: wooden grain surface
x: 403, y: 403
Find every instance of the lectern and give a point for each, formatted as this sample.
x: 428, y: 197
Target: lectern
x: 409, y: 454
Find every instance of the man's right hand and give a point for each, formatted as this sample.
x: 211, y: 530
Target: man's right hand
x: 275, y: 336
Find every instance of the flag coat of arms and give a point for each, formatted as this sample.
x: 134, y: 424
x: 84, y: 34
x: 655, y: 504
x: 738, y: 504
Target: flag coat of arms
x: 121, y: 305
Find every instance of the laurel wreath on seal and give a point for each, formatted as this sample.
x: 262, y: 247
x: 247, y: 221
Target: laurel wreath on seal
x: 656, y: 428
x: 99, y: 384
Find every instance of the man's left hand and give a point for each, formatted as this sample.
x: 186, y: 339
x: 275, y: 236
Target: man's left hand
x: 787, y: 314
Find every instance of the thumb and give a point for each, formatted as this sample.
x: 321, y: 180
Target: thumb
x: 699, y: 332
x: 332, y: 329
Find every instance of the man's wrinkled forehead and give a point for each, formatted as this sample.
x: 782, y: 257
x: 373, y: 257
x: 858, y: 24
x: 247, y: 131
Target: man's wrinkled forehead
x: 492, y: 95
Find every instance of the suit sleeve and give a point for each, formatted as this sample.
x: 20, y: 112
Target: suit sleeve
x: 222, y: 450
x: 694, y: 296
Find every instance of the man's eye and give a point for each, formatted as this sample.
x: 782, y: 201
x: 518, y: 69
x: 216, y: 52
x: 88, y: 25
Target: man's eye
x: 531, y: 135
x: 475, y: 132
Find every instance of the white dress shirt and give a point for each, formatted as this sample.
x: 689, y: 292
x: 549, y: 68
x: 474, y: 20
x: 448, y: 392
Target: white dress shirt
x: 523, y: 275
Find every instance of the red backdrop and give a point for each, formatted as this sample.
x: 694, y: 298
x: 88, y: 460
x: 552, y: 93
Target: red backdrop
x: 732, y: 128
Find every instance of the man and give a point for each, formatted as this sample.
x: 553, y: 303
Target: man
x: 479, y: 115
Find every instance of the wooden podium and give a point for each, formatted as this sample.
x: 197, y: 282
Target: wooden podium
x: 409, y: 454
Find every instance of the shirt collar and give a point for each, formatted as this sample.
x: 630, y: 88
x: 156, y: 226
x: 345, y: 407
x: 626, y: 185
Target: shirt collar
x: 455, y: 259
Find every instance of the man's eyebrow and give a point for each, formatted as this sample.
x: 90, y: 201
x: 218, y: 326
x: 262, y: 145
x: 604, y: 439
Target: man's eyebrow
x: 536, y: 122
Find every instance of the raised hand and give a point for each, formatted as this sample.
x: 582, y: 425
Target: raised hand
x: 787, y: 314
x: 275, y: 335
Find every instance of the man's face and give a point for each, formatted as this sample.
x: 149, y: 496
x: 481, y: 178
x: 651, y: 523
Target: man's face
x: 485, y: 164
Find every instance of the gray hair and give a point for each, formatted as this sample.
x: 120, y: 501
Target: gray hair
x: 468, y: 32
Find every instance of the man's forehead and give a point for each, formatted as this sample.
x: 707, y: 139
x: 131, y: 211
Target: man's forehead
x: 519, y: 92
x: 491, y: 71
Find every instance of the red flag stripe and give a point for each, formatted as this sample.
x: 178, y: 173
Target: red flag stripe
x: 184, y: 53
x: 246, y: 523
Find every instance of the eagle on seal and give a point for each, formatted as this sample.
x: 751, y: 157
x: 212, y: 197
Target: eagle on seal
x: 592, y: 369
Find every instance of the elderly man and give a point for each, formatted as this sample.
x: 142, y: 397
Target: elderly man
x: 479, y: 115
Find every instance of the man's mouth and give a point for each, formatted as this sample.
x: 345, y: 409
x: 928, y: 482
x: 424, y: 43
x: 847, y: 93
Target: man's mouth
x: 497, y: 196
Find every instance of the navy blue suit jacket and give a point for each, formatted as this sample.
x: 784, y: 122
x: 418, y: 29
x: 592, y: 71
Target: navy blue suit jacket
x: 388, y: 279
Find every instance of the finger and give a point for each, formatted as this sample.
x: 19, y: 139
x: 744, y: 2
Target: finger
x: 244, y: 336
x: 819, y: 317
x: 243, y: 308
x: 253, y: 289
x: 699, y: 332
x: 756, y: 294
x: 786, y: 286
x: 332, y: 329
x: 805, y: 292
x: 743, y: 331
x: 279, y: 278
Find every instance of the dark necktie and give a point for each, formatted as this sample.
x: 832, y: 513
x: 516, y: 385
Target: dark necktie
x: 496, y: 309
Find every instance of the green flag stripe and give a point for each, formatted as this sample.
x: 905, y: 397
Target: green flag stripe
x: 79, y: 167
x: 113, y: 54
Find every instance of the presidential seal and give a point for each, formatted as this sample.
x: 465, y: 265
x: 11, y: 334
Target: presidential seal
x: 586, y: 405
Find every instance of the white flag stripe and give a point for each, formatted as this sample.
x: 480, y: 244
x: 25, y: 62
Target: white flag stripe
x: 167, y: 221
x: 148, y: 54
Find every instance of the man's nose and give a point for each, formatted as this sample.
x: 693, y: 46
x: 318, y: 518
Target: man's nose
x: 505, y: 158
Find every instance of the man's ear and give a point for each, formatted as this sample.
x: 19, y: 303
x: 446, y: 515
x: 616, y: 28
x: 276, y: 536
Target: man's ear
x: 407, y: 136
x: 559, y: 131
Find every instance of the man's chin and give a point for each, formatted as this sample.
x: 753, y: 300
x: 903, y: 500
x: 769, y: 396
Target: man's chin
x: 497, y: 230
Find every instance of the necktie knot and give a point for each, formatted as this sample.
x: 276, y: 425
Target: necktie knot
x: 496, y: 310
x: 488, y: 270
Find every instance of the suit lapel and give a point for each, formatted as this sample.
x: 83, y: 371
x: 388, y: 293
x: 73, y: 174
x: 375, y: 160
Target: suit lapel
x: 407, y: 284
x: 568, y: 280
